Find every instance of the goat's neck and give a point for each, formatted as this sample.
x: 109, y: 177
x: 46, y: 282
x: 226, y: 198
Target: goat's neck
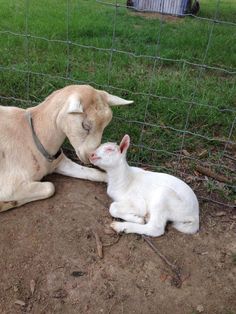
x: 120, y: 176
x: 44, y: 117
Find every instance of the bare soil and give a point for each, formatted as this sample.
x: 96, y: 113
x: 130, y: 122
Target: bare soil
x: 49, y: 261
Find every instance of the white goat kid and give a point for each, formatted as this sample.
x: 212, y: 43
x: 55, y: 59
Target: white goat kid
x: 145, y: 200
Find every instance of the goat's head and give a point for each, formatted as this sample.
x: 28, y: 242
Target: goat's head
x: 85, y: 115
x: 110, y: 155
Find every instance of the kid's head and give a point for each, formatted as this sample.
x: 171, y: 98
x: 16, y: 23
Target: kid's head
x: 109, y: 155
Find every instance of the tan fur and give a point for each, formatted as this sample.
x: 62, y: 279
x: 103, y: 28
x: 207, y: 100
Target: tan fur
x: 7, y: 205
x: 21, y: 163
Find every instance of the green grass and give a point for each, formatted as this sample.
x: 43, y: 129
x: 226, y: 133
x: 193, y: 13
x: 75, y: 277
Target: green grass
x: 54, y: 64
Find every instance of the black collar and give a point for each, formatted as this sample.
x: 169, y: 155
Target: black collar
x: 37, y: 142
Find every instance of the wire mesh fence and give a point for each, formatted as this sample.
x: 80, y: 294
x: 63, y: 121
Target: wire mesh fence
x: 180, y: 73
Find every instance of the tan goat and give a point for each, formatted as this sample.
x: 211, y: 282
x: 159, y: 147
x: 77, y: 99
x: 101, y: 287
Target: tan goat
x: 30, y: 141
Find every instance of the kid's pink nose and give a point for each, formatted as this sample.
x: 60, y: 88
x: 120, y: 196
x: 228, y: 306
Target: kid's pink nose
x: 93, y: 156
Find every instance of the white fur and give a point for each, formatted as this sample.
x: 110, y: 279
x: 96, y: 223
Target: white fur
x: 145, y: 200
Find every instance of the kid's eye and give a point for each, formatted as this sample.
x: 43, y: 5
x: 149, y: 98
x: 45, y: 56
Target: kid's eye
x: 109, y: 150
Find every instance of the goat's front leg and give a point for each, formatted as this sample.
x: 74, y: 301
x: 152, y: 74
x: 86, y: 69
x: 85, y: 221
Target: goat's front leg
x: 69, y: 168
x: 126, y: 211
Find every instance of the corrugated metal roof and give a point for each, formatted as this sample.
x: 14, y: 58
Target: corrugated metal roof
x: 175, y: 7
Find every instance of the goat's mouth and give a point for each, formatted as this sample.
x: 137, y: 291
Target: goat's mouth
x: 83, y: 158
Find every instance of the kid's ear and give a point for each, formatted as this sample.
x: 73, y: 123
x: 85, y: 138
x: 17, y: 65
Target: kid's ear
x: 124, y: 144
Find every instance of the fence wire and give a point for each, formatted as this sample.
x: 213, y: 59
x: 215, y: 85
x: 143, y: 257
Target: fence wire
x: 178, y: 155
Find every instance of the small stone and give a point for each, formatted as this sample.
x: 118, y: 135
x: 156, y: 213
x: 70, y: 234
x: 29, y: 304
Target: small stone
x: 15, y: 288
x: 185, y: 153
x: 32, y: 286
x: 234, y: 217
x: 220, y: 214
x: 19, y: 302
x: 60, y: 294
x: 200, y: 308
x: 29, y: 308
x: 163, y: 277
x: 78, y: 273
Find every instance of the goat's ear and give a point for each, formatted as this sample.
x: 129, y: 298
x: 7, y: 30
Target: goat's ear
x: 74, y: 105
x: 117, y: 101
x: 124, y: 144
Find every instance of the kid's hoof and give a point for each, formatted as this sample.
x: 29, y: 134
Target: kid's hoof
x: 117, y: 226
x: 140, y: 220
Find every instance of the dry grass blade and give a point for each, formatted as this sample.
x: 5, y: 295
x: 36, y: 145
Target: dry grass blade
x: 99, y: 244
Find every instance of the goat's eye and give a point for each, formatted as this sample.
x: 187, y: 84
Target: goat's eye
x: 86, y: 126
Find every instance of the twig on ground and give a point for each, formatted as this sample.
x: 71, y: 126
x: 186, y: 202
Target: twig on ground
x: 163, y: 257
x: 229, y: 157
x: 217, y: 202
x: 113, y: 304
x: 112, y: 243
x: 208, y: 172
x: 176, y: 280
x: 99, y: 244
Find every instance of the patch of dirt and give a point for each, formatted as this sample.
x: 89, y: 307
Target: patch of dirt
x: 49, y: 261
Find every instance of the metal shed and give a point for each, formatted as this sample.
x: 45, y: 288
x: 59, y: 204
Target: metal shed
x: 173, y: 7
